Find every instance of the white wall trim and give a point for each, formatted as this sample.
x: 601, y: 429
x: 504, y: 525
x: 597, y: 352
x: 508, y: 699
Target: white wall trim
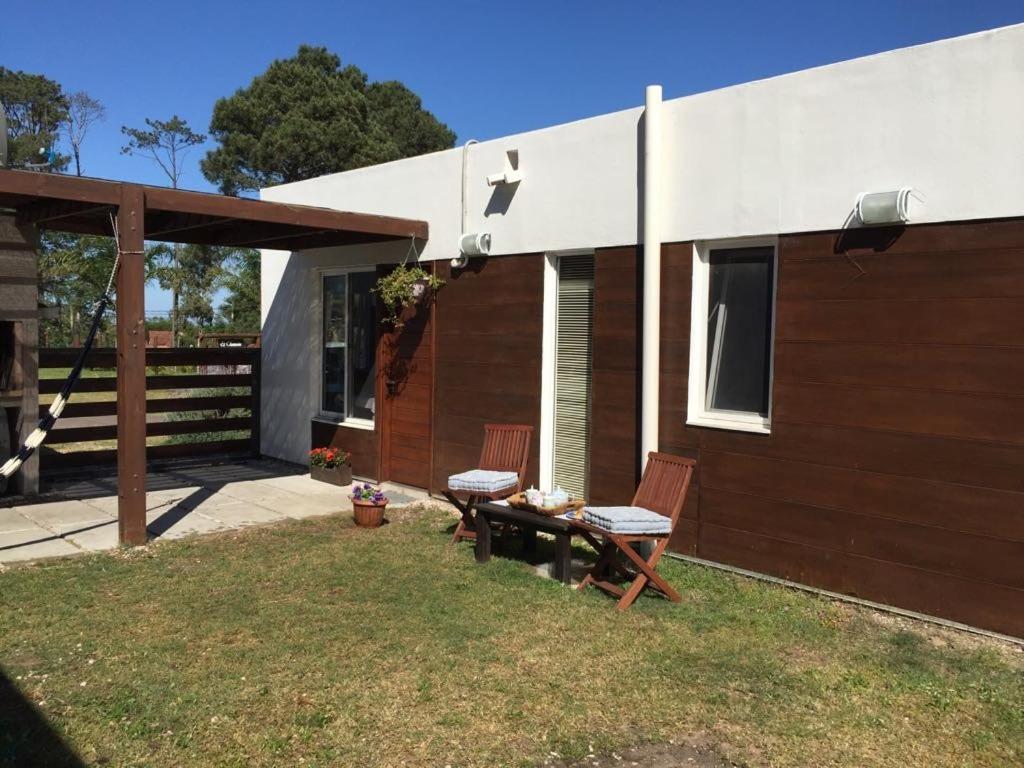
x: 697, y: 413
x: 547, y: 370
x: 319, y: 414
x: 549, y: 336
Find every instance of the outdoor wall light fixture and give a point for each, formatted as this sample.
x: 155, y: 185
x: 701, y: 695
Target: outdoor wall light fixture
x: 886, y: 207
x: 472, y: 244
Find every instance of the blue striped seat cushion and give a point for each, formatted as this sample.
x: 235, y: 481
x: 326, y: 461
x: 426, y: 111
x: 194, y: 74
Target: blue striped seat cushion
x: 631, y: 520
x: 483, y: 481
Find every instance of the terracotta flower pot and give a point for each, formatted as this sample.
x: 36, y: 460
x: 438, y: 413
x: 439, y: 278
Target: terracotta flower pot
x: 339, y: 475
x: 367, y: 514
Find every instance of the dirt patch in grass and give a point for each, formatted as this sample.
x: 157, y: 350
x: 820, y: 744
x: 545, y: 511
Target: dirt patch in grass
x: 315, y: 643
x: 693, y: 753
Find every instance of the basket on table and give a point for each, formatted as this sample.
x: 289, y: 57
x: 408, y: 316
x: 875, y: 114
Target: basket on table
x: 518, y: 501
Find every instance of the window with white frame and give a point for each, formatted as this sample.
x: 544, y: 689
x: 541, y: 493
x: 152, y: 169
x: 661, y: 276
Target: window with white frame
x: 731, y: 334
x: 348, y: 346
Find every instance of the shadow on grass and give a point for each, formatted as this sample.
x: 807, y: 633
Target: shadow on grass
x: 26, y: 737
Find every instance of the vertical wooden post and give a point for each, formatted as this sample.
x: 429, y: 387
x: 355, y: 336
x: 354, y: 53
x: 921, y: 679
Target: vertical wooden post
x: 131, y: 368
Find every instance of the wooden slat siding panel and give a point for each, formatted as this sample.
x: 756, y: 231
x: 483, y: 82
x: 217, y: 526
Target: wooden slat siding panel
x: 14, y: 294
x: 59, y: 461
x: 983, y: 465
x: 994, y: 418
x: 480, y: 403
x: 410, y: 427
x: 973, y: 321
x: 407, y: 356
x: 157, y: 405
x: 59, y: 435
x: 614, y: 459
x: 420, y: 377
x: 980, y: 604
x: 898, y: 421
x: 801, y: 563
x: 487, y: 351
x: 684, y: 537
x: 105, y: 357
x: 919, y: 275
x: 463, y: 348
x: 983, y: 558
x: 183, y: 381
x: 453, y: 378
x: 973, y: 602
x: 996, y: 370
x: 17, y: 262
x: 362, y: 443
x: 412, y: 451
x: 673, y: 435
x: 480, y: 318
x: 982, y: 511
x: 976, y: 236
x: 415, y: 397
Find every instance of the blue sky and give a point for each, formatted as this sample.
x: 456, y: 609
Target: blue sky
x: 486, y: 69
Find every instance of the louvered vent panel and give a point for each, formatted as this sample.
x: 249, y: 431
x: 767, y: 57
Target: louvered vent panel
x: 573, y: 372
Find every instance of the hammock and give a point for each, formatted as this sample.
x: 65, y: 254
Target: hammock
x: 46, y: 423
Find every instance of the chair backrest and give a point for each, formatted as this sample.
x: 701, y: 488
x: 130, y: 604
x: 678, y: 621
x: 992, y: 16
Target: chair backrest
x: 507, y: 448
x: 664, y: 485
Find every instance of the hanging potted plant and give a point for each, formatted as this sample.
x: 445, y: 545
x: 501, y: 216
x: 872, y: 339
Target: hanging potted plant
x: 330, y: 465
x: 368, y: 505
x: 402, y: 288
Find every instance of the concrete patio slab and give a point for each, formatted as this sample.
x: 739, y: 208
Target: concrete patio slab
x: 95, y: 537
x: 171, y: 525
x: 155, y: 499
x: 306, y: 486
x: 12, y: 520
x: 182, y: 501
x: 238, y: 514
x: 35, y: 544
x: 64, y: 513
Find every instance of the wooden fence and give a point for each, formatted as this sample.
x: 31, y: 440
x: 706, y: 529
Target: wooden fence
x: 178, y: 385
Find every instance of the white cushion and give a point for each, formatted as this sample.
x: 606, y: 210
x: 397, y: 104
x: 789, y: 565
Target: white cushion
x: 483, y: 481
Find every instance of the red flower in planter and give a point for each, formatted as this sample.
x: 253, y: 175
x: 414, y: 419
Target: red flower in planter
x: 328, y: 458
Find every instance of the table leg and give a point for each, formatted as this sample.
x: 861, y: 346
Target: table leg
x: 563, y: 557
x: 529, y: 541
x: 483, y: 537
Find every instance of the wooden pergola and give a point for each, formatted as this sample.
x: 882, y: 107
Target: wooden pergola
x: 86, y: 206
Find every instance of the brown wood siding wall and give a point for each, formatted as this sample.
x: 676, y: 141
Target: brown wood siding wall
x: 363, y: 443
x: 407, y: 360
x: 615, y: 392
x: 895, y: 466
x: 487, y: 340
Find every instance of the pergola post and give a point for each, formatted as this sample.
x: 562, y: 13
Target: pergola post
x: 131, y: 368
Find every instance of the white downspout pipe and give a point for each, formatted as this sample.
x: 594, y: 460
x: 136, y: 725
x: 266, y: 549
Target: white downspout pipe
x: 652, y: 274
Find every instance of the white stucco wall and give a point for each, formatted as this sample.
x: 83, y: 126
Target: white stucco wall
x: 788, y: 154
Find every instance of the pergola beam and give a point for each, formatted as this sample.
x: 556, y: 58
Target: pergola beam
x: 269, y: 212
x: 131, y: 367
x: 46, y: 211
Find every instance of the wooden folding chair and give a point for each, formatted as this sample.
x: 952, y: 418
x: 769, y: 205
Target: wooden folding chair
x: 663, y: 490
x: 506, y: 449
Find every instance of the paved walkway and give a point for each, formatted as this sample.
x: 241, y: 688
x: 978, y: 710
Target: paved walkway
x: 77, y: 517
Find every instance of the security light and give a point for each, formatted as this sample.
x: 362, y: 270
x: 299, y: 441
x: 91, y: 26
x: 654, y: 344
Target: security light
x: 885, y: 207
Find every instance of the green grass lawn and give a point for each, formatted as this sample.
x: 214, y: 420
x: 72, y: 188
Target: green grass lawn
x: 318, y: 644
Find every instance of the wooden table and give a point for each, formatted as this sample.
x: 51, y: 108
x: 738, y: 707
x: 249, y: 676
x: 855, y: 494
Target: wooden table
x: 488, y: 513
